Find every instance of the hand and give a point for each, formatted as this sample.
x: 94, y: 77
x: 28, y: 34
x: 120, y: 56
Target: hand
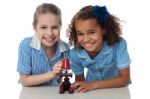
x: 83, y: 86
x: 57, y: 68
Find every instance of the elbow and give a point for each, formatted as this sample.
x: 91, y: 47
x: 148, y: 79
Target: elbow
x: 25, y: 81
x: 124, y: 77
x: 124, y: 83
x: 25, y: 84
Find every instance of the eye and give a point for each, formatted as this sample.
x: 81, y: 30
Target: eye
x: 79, y: 33
x: 43, y: 27
x: 55, y: 27
x: 91, y: 32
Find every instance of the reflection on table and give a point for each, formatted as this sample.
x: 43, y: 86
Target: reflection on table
x: 52, y: 92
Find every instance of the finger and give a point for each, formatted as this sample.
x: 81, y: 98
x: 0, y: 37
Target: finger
x: 83, y: 91
x: 58, y: 65
x: 75, y: 85
x: 80, y: 88
x: 57, y: 68
x: 60, y: 62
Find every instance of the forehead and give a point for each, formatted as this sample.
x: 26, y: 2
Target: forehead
x: 48, y: 18
x: 86, y: 24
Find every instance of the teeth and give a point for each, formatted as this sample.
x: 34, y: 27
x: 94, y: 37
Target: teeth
x: 88, y: 45
x: 49, y: 38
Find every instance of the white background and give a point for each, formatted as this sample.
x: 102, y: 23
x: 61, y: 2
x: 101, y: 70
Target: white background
x: 16, y: 23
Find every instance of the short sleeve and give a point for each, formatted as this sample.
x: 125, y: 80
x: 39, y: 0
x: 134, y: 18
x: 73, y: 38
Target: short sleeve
x: 122, y: 55
x: 76, y: 65
x: 24, y: 58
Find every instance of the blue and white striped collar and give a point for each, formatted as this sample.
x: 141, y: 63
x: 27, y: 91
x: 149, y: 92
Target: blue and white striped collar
x: 36, y: 44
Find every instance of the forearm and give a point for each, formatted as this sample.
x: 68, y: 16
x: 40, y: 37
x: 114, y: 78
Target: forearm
x: 120, y: 81
x: 31, y: 80
x: 111, y: 83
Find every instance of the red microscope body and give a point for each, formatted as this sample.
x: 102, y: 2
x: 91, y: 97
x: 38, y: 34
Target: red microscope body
x: 66, y: 85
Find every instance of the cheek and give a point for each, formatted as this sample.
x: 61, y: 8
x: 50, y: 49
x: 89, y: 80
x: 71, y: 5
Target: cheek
x: 39, y: 31
x: 98, y: 36
x: 99, y: 39
x: 57, y: 33
x: 39, y: 35
x: 79, y: 39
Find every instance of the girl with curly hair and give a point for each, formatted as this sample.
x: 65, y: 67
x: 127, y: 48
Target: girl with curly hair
x: 98, y: 46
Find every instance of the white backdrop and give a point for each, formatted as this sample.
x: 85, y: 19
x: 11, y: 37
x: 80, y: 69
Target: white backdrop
x: 16, y: 23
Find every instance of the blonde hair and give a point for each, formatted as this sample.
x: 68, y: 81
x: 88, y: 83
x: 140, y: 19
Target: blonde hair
x: 46, y: 8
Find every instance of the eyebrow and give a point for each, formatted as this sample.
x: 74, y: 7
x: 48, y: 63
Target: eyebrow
x: 43, y: 25
x: 52, y: 25
x: 56, y: 25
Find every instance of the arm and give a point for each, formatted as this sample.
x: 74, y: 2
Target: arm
x: 30, y: 80
x: 120, y: 81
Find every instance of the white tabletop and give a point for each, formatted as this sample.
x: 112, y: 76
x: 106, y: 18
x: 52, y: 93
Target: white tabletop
x: 52, y: 92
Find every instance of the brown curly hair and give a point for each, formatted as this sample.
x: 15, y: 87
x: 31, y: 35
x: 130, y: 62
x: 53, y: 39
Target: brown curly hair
x: 111, y: 26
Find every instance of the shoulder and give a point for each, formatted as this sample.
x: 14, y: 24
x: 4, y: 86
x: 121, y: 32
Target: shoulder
x: 63, y: 46
x: 73, y: 53
x: 66, y: 45
x: 121, y: 53
x: 121, y: 43
x: 76, y: 54
x: 25, y: 43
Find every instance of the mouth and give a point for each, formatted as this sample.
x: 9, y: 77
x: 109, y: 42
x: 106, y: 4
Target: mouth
x: 49, y: 39
x: 88, y: 44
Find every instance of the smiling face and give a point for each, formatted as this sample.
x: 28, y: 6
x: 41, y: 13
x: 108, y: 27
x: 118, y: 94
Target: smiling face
x: 89, y: 35
x: 48, y: 29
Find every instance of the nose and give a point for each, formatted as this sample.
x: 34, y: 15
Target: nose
x: 49, y: 31
x: 86, y: 38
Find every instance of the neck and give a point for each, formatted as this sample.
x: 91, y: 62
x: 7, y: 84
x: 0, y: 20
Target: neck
x: 50, y: 51
x: 95, y: 52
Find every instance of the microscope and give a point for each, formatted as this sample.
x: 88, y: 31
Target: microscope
x: 65, y: 85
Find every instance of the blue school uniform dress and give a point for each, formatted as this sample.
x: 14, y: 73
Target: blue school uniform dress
x: 32, y: 58
x: 105, y: 65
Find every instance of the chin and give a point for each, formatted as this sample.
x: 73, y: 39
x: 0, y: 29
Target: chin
x: 90, y: 50
x: 49, y: 44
